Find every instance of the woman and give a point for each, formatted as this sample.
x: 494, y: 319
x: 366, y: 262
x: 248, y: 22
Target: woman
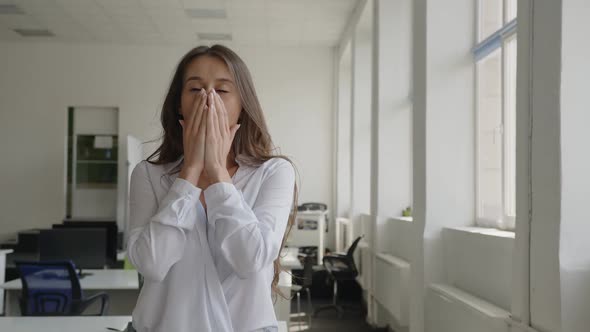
x: 210, y: 208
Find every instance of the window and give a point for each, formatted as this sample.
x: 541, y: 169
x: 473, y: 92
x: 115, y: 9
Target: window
x: 495, y: 59
x: 92, y: 162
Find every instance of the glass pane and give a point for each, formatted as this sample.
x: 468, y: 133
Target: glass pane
x: 96, y: 164
x: 511, y: 8
x: 97, y: 148
x: 89, y: 175
x: 510, y: 126
x: 490, y: 17
x: 489, y: 134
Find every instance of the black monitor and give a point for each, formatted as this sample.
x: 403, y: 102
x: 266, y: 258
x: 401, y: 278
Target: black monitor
x: 111, y: 239
x: 86, y: 247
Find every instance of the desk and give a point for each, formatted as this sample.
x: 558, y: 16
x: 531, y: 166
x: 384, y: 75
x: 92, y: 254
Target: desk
x: 283, y: 306
x: 121, y: 285
x: 3, y: 254
x: 72, y: 324
x: 290, y: 259
x: 63, y: 324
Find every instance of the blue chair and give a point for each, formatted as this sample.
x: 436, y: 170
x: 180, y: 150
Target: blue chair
x: 53, y: 289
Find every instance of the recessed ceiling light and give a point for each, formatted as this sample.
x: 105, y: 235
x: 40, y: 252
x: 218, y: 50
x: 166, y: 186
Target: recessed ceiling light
x: 34, y: 32
x: 10, y: 9
x: 206, y: 13
x: 215, y: 36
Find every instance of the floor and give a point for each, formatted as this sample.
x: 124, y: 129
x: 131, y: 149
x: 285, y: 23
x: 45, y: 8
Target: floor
x: 353, y: 319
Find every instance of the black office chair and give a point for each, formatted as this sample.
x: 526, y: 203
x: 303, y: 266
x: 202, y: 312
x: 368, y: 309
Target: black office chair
x: 340, y: 267
x: 308, y: 262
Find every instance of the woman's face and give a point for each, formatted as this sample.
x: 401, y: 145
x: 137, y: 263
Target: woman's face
x: 208, y: 72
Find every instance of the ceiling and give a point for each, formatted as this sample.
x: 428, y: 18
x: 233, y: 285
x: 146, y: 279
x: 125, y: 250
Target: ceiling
x: 249, y: 22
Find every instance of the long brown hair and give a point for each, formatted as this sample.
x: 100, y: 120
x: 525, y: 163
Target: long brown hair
x: 252, y: 142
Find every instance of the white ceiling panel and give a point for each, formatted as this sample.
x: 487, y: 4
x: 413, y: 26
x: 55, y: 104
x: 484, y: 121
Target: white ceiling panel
x: 162, y: 3
x: 255, y: 22
x: 209, y: 4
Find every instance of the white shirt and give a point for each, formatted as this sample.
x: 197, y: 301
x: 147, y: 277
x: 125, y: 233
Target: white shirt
x: 207, y: 271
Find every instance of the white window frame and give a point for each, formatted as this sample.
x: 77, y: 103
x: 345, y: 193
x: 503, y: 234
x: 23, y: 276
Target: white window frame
x: 490, y: 44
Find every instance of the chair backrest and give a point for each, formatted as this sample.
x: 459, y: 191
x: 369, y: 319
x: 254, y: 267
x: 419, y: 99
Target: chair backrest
x: 352, y: 248
x: 49, y: 288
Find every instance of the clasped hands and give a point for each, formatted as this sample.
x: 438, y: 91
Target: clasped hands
x: 207, y: 138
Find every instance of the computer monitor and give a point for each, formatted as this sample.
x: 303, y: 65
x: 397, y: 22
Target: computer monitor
x: 110, y: 227
x: 86, y: 247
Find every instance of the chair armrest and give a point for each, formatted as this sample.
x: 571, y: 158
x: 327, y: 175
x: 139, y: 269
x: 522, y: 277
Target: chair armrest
x: 104, y: 306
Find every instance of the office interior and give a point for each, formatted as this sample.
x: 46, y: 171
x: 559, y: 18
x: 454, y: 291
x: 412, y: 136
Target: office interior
x: 441, y: 151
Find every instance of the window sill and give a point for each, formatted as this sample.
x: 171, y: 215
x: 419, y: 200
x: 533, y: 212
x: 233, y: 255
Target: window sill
x: 403, y: 219
x: 485, y: 231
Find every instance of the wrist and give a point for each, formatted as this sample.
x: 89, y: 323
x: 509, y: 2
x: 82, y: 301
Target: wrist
x: 219, y: 175
x: 190, y: 174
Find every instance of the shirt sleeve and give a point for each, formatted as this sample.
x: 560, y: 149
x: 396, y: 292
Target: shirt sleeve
x: 250, y: 238
x: 157, y: 235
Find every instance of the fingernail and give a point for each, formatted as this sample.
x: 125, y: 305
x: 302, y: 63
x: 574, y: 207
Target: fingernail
x: 239, y: 126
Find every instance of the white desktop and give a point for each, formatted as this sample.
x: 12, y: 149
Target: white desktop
x: 73, y: 324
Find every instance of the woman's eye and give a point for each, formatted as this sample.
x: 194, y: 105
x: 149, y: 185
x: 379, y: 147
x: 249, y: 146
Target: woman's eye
x: 221, y: 91
x: 196, y: 89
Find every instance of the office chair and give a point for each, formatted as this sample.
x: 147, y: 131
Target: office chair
x: 340, y: 267
x: 53, y: 289
x: 308, y: 261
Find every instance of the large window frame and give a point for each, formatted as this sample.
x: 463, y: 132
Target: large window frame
x: 502, y: 40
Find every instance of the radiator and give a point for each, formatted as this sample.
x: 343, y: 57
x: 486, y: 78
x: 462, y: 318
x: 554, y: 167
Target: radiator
x: 392, y: 283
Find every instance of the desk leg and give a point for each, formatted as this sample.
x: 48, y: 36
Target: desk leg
x: 11, y: 307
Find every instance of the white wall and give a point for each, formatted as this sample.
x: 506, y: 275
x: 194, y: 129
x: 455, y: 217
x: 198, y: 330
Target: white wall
x: 545, y: 167
x: 343, y: 141
x: 392, y: 106
x: 574, y: 255
x: 443, y: 132
x: 40, y: 80
x: 361, y: 115
x: 537, y: 279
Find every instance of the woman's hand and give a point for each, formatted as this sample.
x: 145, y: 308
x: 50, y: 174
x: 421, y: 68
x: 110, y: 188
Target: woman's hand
x: 193, y: 139
x: 219, y: 139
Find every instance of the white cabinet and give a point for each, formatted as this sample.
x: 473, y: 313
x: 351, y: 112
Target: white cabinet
x: 309, y: 230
